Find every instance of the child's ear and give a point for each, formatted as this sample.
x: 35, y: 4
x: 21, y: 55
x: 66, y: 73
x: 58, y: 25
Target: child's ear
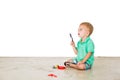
x: 87, y: 33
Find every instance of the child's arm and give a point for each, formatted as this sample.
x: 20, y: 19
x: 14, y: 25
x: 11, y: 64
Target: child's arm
x: 86, y: 57
x: 74, y: 48
x: 73, y: 44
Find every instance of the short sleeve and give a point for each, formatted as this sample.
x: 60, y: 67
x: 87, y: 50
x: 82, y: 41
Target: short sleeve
x: 90, y: 46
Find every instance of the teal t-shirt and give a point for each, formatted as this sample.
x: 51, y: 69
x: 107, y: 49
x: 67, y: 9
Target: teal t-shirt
x: 83, y: 49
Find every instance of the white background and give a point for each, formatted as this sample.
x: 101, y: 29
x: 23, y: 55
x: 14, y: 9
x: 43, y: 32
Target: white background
x: 42, y: 27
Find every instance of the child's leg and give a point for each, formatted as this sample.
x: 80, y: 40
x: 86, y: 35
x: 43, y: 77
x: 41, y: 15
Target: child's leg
x: 80, y: 66
x: 74, y: 64
x: 70, y: 61
x: 84, y: 66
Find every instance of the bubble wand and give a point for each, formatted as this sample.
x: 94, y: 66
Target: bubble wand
x: 71, y: 37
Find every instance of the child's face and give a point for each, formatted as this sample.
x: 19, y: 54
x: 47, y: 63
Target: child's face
x: 83, y: 31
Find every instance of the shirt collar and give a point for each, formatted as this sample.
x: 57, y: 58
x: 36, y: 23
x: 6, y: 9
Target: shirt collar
x: 85, y: 40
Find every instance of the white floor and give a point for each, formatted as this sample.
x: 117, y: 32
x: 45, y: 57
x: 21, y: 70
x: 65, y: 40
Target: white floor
x: 38, y: 68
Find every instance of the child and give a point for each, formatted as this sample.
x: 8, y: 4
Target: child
x: 84, y: 49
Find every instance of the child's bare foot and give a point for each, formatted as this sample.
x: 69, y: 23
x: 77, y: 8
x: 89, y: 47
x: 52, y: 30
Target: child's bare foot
x: 67, y: 63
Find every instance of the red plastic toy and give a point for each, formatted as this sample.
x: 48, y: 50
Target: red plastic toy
x: 52, y: 75
x: 61, y: 67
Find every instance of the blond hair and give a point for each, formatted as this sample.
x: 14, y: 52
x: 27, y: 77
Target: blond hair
x: 89, y: 26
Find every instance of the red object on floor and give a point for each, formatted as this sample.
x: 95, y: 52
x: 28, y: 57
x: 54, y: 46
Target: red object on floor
x: 52, y: 75
x: 61, y: 67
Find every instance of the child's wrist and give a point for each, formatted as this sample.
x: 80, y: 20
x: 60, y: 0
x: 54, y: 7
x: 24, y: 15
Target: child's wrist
x: 82, y: 62
x: 73, y: 46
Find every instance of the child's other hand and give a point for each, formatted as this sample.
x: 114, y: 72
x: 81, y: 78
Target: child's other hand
x: 72, y: 44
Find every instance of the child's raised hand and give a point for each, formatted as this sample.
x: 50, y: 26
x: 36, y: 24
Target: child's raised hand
x: 72, y: 44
